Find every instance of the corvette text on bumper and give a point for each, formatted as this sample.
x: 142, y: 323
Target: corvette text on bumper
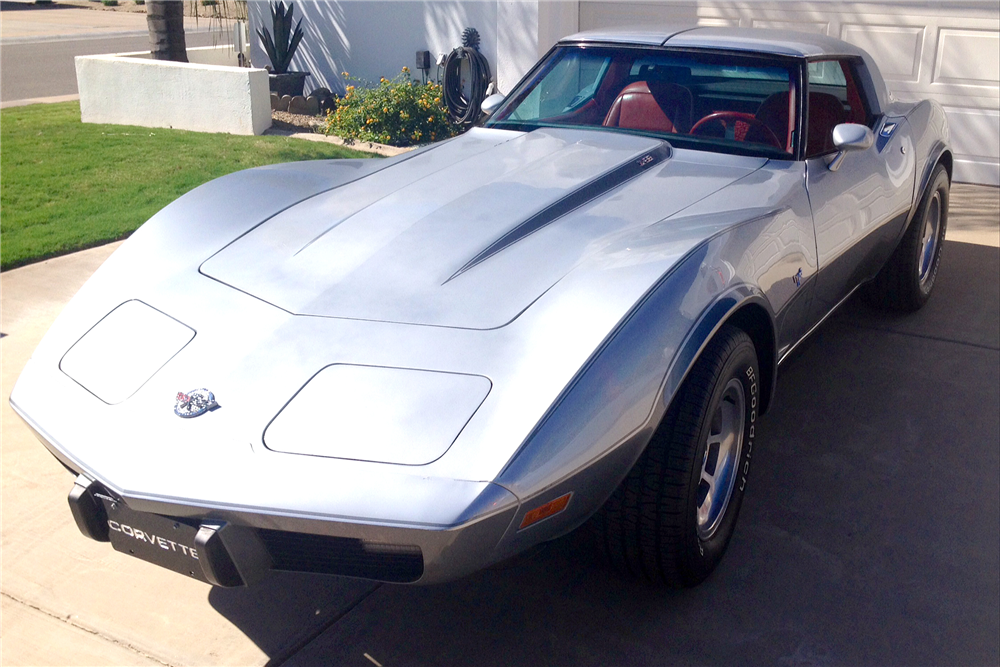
x: 155, y: 540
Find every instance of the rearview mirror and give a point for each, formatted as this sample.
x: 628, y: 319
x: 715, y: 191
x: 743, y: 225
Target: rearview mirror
x: 492, y: 103
x: 850, y: 137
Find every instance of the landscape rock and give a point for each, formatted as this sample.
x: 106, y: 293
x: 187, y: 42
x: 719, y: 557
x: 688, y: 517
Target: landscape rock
x: 327, y: 100
x: 276, y: 103
x: 297, y: 105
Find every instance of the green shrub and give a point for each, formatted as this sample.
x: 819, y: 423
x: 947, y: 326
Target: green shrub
x: 140, y: 2
x: 110, y: 3
x: 398, y: 112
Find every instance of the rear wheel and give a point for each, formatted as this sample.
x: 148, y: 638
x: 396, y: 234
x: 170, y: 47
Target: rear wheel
x: 905, y: 282
x: 671, y: 519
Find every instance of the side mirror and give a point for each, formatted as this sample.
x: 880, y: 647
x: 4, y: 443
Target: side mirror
x: 492, y: 103
x: 849, y: 137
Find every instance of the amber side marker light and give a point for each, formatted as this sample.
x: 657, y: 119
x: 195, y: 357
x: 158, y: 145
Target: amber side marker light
x: 550, y: 508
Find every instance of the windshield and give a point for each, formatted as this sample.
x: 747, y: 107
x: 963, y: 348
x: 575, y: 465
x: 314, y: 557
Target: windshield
x: 729, y: 103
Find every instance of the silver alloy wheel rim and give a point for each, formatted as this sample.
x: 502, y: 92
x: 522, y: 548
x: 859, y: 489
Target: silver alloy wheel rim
x: 719, y: 466
x: 929, y: 239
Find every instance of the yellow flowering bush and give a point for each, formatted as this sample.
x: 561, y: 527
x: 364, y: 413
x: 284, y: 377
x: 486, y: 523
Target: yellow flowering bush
x: 398, y: 112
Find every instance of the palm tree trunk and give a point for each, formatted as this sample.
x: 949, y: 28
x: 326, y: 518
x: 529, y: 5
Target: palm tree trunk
x: 165, y: 19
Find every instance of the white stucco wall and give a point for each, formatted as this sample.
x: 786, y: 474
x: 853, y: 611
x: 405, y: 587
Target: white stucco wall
x: 375, y: 38
x: 131, y: 89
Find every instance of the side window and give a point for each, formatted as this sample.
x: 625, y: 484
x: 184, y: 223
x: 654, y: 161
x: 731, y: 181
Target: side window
x: 827, y: 73
x: 834, y: 97
x: 859, y: 108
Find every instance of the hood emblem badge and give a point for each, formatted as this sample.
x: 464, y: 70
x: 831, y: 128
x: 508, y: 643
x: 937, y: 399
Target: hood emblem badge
x: 194, y: 403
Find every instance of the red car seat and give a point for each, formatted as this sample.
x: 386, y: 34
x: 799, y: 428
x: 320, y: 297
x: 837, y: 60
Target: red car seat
x: 656, y: 106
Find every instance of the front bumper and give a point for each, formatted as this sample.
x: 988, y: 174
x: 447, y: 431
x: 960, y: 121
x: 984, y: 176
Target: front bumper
x: 229, y: 553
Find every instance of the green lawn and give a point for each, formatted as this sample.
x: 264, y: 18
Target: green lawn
x: 66, y: 185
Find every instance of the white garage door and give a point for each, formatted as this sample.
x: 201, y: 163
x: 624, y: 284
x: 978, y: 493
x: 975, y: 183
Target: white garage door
x: 946, y: 51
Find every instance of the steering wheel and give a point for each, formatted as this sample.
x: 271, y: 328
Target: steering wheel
x: 739, y: 123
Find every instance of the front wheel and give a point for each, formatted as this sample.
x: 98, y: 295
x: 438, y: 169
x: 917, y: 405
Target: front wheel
x: 905, y: 282
x: 671, y: 519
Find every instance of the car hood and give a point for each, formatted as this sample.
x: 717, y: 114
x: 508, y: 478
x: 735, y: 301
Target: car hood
x: 467, y: 234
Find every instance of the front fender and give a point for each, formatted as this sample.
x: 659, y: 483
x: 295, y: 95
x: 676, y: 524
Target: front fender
x: 594, y: 433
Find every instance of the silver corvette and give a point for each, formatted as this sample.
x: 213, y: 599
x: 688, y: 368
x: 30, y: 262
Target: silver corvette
x: 409, y: 369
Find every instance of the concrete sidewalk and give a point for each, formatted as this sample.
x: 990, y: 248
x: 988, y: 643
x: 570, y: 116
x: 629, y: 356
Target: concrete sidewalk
x: 870, y: 536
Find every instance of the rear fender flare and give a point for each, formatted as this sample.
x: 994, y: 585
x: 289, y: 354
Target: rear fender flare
x: 939, y: 154
x: 928, y: 126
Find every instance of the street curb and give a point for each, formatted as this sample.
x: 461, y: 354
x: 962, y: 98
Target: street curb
x: 81, y: 36
x: 39, y: 100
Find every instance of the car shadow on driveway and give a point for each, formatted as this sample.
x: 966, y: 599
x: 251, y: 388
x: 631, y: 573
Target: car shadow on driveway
x: 870, y: 533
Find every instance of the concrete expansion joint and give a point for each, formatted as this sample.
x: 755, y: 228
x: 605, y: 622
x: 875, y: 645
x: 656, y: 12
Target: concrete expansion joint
x: 290, y: 652
x: 67, y: 620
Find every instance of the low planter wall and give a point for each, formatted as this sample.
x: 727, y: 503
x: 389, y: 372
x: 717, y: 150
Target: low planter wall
x: 224, y: 55
x: 207, y: 94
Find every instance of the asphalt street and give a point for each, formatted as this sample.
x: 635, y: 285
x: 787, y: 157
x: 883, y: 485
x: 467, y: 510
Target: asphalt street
x: 38, y: 43
x: 44, y: 68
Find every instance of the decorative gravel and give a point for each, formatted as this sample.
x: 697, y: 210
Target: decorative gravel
x: 300, y: 122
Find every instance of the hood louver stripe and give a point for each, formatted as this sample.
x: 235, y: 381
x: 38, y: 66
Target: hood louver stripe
x: 587, y: 193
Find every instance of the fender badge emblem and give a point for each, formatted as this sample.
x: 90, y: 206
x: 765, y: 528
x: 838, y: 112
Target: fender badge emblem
x: 797, y: 278
x: 194, y: 403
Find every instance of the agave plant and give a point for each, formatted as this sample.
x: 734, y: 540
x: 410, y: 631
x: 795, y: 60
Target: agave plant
x: 282, y: 47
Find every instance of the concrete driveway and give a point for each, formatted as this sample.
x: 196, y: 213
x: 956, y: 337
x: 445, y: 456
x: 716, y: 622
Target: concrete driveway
x: 870, y: 534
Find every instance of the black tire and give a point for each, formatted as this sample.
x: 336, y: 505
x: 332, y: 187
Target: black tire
x: 650, y: 526
x: 904, y: 284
